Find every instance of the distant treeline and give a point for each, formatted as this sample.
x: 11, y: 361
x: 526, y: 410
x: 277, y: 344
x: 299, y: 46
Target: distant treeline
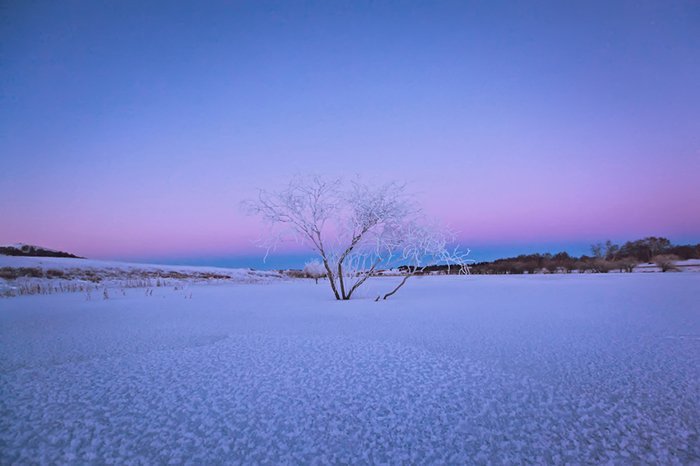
x: 34, y: 251
x: 605, y: 257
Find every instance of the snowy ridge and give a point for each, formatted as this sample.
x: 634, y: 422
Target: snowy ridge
x: 23, y: 275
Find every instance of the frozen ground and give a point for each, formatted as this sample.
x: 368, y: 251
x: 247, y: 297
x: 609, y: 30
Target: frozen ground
x: 517, y: 369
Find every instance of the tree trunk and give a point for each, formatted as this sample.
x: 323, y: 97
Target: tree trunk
x: 331, y: 279
x: 342, y: 282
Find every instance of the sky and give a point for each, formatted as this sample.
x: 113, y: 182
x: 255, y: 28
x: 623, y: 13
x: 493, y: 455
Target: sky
x: 133, y: 130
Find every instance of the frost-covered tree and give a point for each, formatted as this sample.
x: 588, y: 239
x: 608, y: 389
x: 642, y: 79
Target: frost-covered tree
x: 355, y: 228
x: 314, y: 269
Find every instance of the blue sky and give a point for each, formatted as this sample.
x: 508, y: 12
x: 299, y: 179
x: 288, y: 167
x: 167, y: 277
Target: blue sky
x: 134, y: 129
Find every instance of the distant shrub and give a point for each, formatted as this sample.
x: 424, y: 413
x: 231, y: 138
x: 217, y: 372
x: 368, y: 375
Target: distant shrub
x: 55, y: 273
x: 9, y: 273
x: 603, y: 266
x: 583, y: 266
x: 666, y: 262
x: 552, y: 267
x: 92, y: 276
x: 209, y: 276
x: 626, y: 265
x: 12, y: 273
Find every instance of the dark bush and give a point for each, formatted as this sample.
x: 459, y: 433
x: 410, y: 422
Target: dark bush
x: 55, y: 273
x: 11, y: 273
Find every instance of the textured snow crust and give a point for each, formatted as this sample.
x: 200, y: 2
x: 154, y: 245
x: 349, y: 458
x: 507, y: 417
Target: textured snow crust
x: 530, y: 369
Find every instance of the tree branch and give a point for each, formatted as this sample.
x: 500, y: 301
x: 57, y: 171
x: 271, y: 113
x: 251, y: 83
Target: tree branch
x: 398, y: 287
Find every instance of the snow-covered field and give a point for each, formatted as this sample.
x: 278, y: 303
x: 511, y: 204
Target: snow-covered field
x: 503, y: 369
x: 48, y: 275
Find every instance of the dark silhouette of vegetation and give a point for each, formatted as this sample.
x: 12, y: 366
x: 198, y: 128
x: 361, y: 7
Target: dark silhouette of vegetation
x: 34, y: 251
x: 605, y: 257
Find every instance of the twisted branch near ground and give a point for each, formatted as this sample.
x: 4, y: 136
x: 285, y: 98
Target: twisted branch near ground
x: 391, y: 293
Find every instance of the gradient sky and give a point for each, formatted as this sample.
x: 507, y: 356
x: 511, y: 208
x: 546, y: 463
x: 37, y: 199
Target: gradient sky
x: 132, y: 130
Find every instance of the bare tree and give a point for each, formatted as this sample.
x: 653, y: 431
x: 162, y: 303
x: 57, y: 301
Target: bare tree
x: 611, y: 250
x: 354, y: 228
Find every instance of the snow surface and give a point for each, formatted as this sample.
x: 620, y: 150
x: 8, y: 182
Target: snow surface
x: 504, y: 369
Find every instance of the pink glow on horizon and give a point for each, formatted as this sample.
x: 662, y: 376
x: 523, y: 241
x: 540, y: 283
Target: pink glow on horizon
x: 125, y: 138
x: 501, y: 218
